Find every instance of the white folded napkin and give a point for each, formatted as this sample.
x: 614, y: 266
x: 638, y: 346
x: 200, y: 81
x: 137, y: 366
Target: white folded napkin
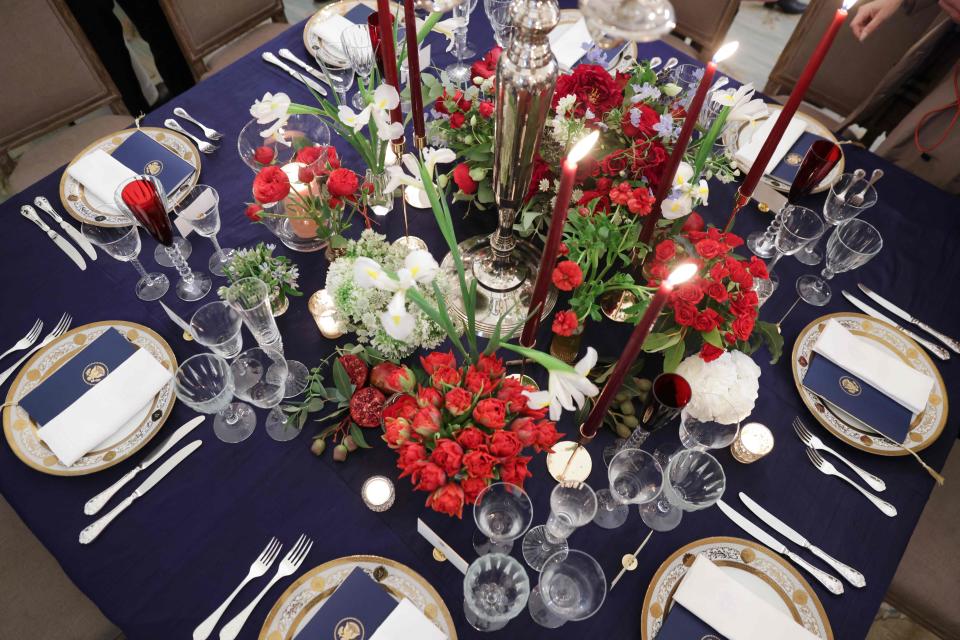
x: 106, y: 407
x: 328, y: 32
x: 406, y: 622
x: 882, y: 371
x: 567, y: 43
x: 731, y: 608
x: 100, y: 174
x: 747, y: 154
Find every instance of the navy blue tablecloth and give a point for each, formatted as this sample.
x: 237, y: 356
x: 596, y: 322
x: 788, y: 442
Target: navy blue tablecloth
x: 172, y: 557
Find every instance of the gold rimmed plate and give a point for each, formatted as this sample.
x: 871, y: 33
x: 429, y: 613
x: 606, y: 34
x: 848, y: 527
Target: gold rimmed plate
x: 302, y: 599
x: 21, y: 431
x: 756, y: 567
x: 925, y: 428
x: 85, y: 208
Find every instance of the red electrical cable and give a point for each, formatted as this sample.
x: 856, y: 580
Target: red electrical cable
x: 955, y: 106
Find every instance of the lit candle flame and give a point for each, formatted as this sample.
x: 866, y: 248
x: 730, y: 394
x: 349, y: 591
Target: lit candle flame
x: 583, y: 147
x: 682, y: 273
x: 730, y: 48
x: 848, y: 3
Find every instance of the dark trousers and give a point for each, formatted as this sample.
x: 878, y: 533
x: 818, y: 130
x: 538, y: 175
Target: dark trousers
x: 106, y: 34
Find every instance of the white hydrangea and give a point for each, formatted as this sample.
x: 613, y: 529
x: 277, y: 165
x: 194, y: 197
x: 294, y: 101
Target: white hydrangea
x: 724, y: 390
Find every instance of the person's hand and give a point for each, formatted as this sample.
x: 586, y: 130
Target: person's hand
x: 952, y: 7
x: 872, y: 14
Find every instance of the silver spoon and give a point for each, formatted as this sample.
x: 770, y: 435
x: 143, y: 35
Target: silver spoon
x: 213, y: 134
x: 203, y: 145
x: 719, y: 84
x: 858, y: 175
x: 857, y: 198
x: 655, y: 62
x: 669, y: 64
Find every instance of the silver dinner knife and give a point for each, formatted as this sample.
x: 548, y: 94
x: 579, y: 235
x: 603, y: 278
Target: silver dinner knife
x: 935, y: 349
x: 440, y: 544
x: 177, y: 320
x: 274, y: 60
x: 832, y: 584
x: 98, y: 501
x: 892, y: 308
x: 850, y: 574
x: 75, y: 235
x: 286, y: 54
x: 90, y: 534
x: 30, y: 214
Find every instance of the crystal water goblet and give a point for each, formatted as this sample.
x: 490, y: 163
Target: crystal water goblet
x: 201, y: 208
x: 458, y: 71
x: 340, y: 80
x: 205, y: 383
x: 358, y: 49
x: 840, y: 206
x: 693, y: 480
x: 635, y: 477
x: 818, y: 302
x: 123, y: 244
x: 498, y: 12
x: 259, y: 375
x: 216, y: 325
x: 143, y: 200
x: 703, y: 435
x: 503, y: 512
x: 799, y: 226
x: 572, y: 587
x: 495, y: 591
x: 572, y: 505
x: 851, y: 245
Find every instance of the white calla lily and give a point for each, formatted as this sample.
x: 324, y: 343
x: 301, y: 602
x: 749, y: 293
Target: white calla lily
x: 567, y: 388
x: 396, y: 320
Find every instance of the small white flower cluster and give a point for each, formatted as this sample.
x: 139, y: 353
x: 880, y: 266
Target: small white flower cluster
x: 361, y: 308
x: 724, y: 390
x: 561, y: 128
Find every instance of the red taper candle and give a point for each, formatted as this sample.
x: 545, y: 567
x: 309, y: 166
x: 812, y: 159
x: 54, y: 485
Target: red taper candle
x: 683, y: 141
x: 680, y: 274
x: 413, y: 66
x: 550, y: 250
x: 385, y: 25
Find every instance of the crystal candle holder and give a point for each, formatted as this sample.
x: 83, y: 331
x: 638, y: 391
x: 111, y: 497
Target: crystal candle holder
x: 378, y: 493
x: 754, y: 441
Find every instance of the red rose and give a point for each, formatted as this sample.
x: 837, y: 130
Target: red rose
x: 425, y: 476
x: 471, y: 438
x: 447, y: 455
x: 457, y: 119
x: 253, y: 211
x: 684, y: 313
x: 410, y: 453
x: 732, y: 240
x: 654, y: 156
x: 342, y: 183
x: 404, y: 406
x: 427, y: 421
x: 479, y: 464
x: 461, y: 175
x: 666, y: 250
x: 486, y: 67
x: 491, y: 413
x: 546, y: 436
x: 612, y: 164
x: 472, y: 488
x: 263, y: 155
x: 485, y: 108
x: 743, y: 326
x: 709, y: 353
x: 428, y: 396
x: 392, y: 378
x: 541, y: 171
x: 648, y: 118
x: 396, y: 431
x: 567, y: 275
x: 457, y: 401
x: 708, y: 249
x: 526, y: 430
x: 492, y: 366
x: 515, y: 470
x: 448, y: 499
x: 706, y: 320
x: 511, y: 392
x: 271, y: 185
x: 305, y: 175
x: 309, y: 155
x: 463, y: 104
x: 564, y: 250
x: 717, y: 291
x: 445, y: 376
x: 594, y: 89
x: 689, y: 292
x: 757, y: 268
x: 505, y: 444
x: 437, y: 359
x: 478, y: 383
x: 565, y: 322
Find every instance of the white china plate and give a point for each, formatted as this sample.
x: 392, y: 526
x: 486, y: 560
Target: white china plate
x: 300, y: 602
x: 85, y: 208
x: 21, y: 431
x: 926, y: 427
x: 756, y: 567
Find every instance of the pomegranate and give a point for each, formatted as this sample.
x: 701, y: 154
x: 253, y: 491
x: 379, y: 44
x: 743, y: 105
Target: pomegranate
x: 366, y: 407
x: 356, y: 369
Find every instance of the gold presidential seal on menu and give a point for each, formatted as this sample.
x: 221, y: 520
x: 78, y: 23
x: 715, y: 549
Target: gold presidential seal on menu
x: 153, y: 168
x: 793, y: 159
x: 94, y: 373
x: 348, y: 629
x: 850, y: 386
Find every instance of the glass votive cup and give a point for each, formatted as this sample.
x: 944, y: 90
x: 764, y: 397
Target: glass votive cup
x: 753, y: 442
x: 377, y: 493
x: 324, y: 314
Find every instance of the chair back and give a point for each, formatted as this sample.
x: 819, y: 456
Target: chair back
x: 201, y: 27
x: 705, y: 23
x: 50, y: 73
x: 852, y: 69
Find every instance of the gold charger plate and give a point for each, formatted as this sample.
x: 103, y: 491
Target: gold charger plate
x: 21, y: 431
x: 294, y: 608
x: 758, y: 568
x: 926, y: 427
x: 74, y: 197
x: 735, y: 138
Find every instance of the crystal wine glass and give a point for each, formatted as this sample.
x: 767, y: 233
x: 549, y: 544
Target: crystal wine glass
x: 339, y: 79
x: 572, y: 587
x: 611, y: 22
x: 849, y: 197
x: 458, y: 71
x: 819, y: 302
x: 201, y: 208
x: 799, y: 226
x: 144, y: 201
x: 358, y: 49
x: 669, y: 394
x: 693, y: 480
x: 851, y: 245
x: 503, y: 512
x: 216, y: 325
x: 498, y: 12
x: 259, y: 375
x: 635, y: 478
x: 572, y: 505
x: 205, y: 384
x: 123, y: 244
x: 495, y: 591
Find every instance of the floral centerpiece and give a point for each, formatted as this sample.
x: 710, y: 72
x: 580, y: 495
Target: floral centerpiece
x: 724, y: 389
x: 278, y: 272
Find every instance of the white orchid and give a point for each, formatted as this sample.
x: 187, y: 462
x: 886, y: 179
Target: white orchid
x: 273, y: 107
x: 396, y: 176
x: 396, y: 320
x: 567, y: 387
x: 677, y: 206
x: 385, y: 99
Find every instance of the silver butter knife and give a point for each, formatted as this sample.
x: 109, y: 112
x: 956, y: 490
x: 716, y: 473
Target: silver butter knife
x: 30, y: 214
x: 832, y: 584
x: 75, y: 235
x: 274, y: 60
x: 98, y: 501
x: 935, y: 349
x: 440, y: 544
x: 90, y: 534
x: 177, y: 320
x: 850, y: 574
x: 286, y: 54
x: 892, y: 308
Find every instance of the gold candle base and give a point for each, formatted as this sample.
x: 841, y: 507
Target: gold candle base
x: 569, y: 462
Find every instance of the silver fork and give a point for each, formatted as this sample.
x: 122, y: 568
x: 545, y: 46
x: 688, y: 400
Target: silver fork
x: 58, y: 331
x: 830, y: 470
x: 26, y: 340
x: 289, y: 564
x: 814, y: 442
x: 213, y: 134
x: 202, y: 145
x: 259, y: 567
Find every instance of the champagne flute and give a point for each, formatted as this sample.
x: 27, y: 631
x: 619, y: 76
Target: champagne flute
x: 460, y: 72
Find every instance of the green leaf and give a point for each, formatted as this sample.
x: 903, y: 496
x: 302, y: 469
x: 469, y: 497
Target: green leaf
x: 342, y: 380
x: 485, y: 192
x: 672, y: 356
x: 713, y: 337
x: 357, y: 434
x: 478, y: 173
x: 316, y: 404
x: 772, y: 338
x: 660, y: 341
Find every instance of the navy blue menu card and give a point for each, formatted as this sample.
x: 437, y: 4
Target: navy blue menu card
x: 145, y: 156
x: 867, y: 404
x: 683, y: 625
x: 355, y: 610
x: 786, y: 169
x: 358, y: 15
